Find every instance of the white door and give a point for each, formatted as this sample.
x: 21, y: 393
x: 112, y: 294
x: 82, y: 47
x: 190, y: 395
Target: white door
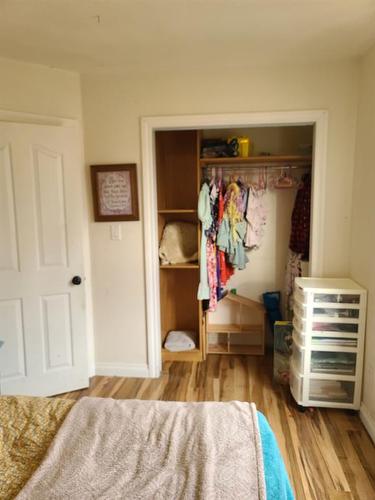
x: 42, y: 313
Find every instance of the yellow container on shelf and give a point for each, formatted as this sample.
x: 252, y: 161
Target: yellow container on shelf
x: 243, y: 147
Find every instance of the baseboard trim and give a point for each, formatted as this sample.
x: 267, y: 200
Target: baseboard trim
x: 138, y: 370
x: 368, y: 421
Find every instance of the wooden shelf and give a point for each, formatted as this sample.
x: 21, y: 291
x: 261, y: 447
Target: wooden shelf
x: 193, y: 355
x: 217, y: 349
x: 233, y: 328
x: 256, y: 350
x: 250, y: 350
x: 177, y: 211
x: 179, y: 266
x: 265, y: 160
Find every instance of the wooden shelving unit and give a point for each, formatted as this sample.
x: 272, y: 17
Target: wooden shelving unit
x: 244, y: 331
x: 257, y: 160
x: 178, y: 182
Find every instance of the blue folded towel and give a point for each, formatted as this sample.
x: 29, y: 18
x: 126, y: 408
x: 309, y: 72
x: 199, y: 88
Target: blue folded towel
x: 277, y: 482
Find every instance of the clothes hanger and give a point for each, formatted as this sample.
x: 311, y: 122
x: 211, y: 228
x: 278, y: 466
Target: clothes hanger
x: 262, y: 179
x: 213, y: 175
x: 284, y: 181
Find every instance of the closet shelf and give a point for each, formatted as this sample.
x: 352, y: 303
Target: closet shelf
x: 217, y: 348
x: 234, y: 328
x: 193, y: 355
x: 180, y: 266
x: 246, y: 349
x: 177, y: 211
x: 234, y: 349
x: 258, y: 160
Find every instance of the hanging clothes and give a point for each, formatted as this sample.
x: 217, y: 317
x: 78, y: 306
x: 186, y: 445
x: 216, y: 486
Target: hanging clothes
x: 299, y: 242
x: 212, y: 274
x: 300, y: 233
x: 256, y: 217
x: 225, y: 268
x: 204, y: 215
x: 234, y: 226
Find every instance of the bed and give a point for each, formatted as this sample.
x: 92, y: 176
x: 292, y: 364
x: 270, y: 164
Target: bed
x: 37, y: 433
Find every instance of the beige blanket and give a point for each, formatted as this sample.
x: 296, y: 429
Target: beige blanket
x: 130, y: 449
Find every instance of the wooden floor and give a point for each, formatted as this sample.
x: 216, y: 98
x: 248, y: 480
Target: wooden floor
x: 328, y: 453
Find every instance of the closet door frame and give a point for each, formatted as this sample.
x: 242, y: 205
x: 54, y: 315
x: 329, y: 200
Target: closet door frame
x: 149, y: 125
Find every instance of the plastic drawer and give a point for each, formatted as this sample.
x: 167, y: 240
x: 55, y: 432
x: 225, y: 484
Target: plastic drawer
x: 300, y: 309
x: 327, y: 297
x: 298, y: 357
x: 300, y: 295
x: 332, y: 342
x: 299, y: 337
x: 347, y: 328
x: 336, y: 312
x: 331, y: 391
x: 336, y: 298
x: 327, y: 341
x: 296, y: 385
x: 332, y: 362
x: 300, y: 324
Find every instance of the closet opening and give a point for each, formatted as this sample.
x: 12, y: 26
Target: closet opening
x: 277, y: 161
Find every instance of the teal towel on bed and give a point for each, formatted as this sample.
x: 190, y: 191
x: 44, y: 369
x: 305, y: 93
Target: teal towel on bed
x: 277, y: 481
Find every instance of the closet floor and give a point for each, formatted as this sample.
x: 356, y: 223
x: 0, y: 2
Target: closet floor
x: 328, y: 453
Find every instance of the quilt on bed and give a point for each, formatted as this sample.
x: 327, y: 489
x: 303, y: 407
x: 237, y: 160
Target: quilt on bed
x: 29, y: 424
x: 27, y: 428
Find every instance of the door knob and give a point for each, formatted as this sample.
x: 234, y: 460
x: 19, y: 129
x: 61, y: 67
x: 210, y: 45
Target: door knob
x: 77, y: 280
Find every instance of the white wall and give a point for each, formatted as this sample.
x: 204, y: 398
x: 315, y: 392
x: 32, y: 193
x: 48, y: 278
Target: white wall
x: 363, y: 223
x: 112, y: 108
x: 31, y: 88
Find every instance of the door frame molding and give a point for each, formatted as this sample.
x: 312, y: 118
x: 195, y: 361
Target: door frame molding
x: 149, y: 125
x: 7, y: 115
x: 35, y: 119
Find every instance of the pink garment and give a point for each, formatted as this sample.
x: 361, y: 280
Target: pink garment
x: 212, y: 274
x: 256, y: 217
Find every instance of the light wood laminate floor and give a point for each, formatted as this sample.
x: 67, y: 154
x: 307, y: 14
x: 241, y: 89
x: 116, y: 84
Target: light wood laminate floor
x: 328, y: 453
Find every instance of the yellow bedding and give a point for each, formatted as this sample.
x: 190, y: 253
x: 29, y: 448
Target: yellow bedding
x: 27, y: 427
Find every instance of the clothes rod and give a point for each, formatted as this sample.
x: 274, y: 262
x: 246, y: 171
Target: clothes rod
x: 244, y: 167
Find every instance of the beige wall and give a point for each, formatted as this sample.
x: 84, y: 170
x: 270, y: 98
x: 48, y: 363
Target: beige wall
x: 363, y: 219
x: 112, y: 108
x: 31, y: 88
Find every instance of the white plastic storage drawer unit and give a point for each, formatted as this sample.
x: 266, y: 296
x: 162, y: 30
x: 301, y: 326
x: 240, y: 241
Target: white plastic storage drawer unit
x: 328, y: 341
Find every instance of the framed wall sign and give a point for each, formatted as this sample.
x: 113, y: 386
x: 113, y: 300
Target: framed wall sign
x: 115, y: 192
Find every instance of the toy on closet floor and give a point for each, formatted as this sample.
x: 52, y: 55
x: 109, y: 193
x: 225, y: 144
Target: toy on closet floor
x: 244, y: 333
